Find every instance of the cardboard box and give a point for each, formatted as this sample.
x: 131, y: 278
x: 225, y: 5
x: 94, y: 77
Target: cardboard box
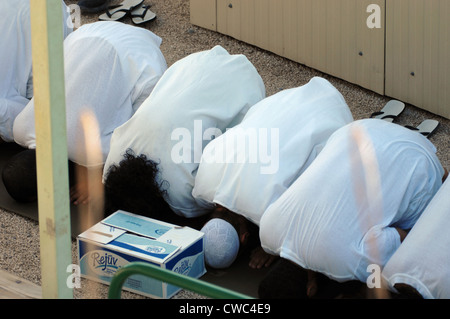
x: 123, y: 238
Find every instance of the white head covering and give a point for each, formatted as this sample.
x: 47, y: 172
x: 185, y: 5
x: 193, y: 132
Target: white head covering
x: 221, y: 243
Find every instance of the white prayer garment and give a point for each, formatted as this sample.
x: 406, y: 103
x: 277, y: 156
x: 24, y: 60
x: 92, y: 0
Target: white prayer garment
x: 198, y: 96
x: 423, y: 259
x: 16, y: 78
x: 110, y: 69
x: 253, y: 163
x: 338, y: 217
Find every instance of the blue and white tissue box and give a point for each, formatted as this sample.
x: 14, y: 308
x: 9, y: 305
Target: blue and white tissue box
x: 123, y: 238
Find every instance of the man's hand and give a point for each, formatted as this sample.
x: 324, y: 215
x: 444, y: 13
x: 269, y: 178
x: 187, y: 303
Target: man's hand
x: 259, y: 259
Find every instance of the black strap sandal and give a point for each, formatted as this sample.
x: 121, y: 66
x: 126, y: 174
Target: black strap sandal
x: 93, y: 6
x: 426, y: 128
x: 142, y: 15
x: 120, y: 11
x: 390, y: 111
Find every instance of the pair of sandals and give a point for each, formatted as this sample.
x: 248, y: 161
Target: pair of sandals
x: 393, y: 109
x: 135, y: 9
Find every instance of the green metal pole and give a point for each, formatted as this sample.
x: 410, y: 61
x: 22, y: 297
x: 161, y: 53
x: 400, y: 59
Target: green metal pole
x: 170, y: 277
x: 51, y: 147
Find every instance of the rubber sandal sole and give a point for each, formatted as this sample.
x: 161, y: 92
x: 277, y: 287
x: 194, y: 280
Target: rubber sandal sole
x: 426, y: 128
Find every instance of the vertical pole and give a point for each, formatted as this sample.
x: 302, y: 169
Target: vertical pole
x: 51, y: 147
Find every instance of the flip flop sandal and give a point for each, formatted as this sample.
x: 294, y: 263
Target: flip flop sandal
x: 93, y: 6
x: 390, y: 112
x: 142, y: 15
x: 117, y: 12
x: 426, y: 128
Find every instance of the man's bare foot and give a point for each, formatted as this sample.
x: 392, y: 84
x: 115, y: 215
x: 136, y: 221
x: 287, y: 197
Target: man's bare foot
x: 311, y: 286
x: 88, y: 185
x: 79, y: 194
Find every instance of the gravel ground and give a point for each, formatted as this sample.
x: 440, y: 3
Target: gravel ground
x: 19, y: 237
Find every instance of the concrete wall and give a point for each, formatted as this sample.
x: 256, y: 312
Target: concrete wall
x: 398, y: 48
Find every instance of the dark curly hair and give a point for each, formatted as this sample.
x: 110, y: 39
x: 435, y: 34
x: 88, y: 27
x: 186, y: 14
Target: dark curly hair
x: 133, y: 186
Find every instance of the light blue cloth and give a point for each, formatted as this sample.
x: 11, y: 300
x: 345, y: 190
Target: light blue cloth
x: 203, y: 92
x: 16, y: 78
x: 110, y: 69
x: 252, y: 164
x: 423, y: 259
x: 339, y: 216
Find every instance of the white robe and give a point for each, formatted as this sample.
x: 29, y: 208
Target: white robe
x: 276, y: 141
x: 110, y: 69
x: 338, y: 217
x: 203, y: 92
x: 16, y: 78
x: 423, y: 259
